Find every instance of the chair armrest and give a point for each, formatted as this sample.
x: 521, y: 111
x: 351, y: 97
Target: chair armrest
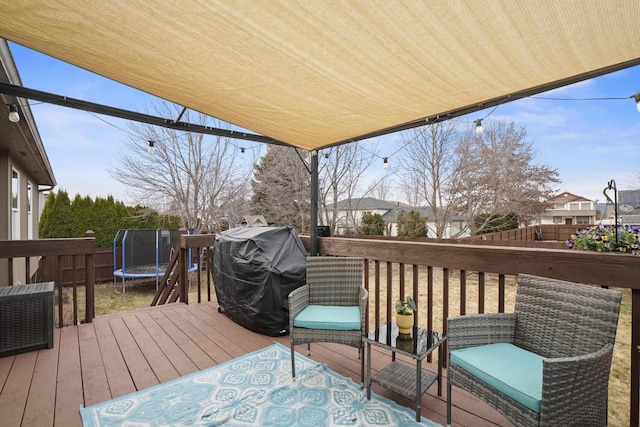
x: 363, y: 300
x: 576, y: 387
x: 298, y: 300
x: 480, y: 329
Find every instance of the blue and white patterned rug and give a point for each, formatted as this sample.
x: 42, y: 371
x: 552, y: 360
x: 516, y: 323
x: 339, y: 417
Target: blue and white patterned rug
x: 253, y: 390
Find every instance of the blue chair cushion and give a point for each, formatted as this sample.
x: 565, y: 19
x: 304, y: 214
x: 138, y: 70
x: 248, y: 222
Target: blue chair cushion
x: 332, y: 317
x: 507, y: 368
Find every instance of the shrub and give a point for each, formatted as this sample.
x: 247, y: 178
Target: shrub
x: 372, y: 225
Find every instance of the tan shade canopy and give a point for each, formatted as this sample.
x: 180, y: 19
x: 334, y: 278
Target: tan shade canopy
x: 314, y: 73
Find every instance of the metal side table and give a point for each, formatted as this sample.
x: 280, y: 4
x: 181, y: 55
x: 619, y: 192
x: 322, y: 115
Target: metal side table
x: 408, y: 380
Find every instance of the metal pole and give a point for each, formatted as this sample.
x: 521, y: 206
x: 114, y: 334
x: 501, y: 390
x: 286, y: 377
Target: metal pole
x: 313, y: 226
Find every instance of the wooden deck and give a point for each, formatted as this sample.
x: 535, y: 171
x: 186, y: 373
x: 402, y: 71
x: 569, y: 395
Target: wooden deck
x: 121, y: 353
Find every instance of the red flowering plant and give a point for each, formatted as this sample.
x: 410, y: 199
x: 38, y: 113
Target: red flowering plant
x: 602, y: 238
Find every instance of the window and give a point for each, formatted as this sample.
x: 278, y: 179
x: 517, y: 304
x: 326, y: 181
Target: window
x: 585, y: 206
x: 15, y: 206
x: 574, y: 206
x: 557, y: 220
x: 583, y: 220
x: 29, y: 211
x: 558, y: 205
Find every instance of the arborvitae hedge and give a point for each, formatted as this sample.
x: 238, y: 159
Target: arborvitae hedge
x: 63, y: 218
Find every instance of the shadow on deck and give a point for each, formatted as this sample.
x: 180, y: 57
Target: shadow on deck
x: 121, y: 353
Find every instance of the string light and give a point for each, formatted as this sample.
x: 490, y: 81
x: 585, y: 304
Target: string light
x: 385, y: 163
x: 151, y: 144
x: 636, y: 96
x: 14, y: 116
x: 242, y: 150
x: 479, y: 128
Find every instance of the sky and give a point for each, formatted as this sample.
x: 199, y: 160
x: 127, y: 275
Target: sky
x: 589, y: 142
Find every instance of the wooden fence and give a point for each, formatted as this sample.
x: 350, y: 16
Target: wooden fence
x: 103, y: 267
x: 548, y: 235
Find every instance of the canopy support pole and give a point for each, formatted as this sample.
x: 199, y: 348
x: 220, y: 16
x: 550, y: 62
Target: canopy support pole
x: 313, y: 225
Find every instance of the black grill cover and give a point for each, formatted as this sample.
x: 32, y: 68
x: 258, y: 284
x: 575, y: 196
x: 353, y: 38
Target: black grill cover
x: 254, y: 270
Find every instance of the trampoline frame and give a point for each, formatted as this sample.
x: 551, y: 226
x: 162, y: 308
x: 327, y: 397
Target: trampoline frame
x: 155, y: 270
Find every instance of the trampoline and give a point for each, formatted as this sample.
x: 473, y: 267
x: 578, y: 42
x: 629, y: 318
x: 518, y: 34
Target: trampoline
x: 145, y: 253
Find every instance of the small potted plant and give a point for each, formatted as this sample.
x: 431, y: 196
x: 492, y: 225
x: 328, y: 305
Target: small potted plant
x: 404, y: 314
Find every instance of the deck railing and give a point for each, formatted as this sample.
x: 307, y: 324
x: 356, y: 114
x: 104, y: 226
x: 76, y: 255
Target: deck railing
x: 445, y: 279
x: 22, y: 254
x: 451, y: 279
x: 174, y: 285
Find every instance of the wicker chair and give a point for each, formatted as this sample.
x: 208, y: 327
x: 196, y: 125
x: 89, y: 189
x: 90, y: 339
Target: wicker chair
x: 333, y: 286
x: 562, y: 334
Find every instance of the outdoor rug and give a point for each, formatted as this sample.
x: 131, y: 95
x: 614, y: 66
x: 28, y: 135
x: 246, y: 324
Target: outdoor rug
x: 253, y: 390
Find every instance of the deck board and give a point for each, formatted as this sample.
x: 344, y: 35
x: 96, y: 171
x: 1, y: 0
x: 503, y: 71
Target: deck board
x: 16, y: 389
x: 140, y: 370
x: 5, y: 368
x: 113, y: 360
x: 157, y: 360
x: 69, y: 391
x: 203, y: 339
x: 40, y: 407
x: 178, y: 359
x: 94, y: 377
x: 120, y: 353
x: 192, y: 351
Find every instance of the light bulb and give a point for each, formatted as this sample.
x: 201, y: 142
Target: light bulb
x: 637, y: 98
x: 14, y: 116
x: 479, y: 128
x: 385, y: 163
x: 151, y: 144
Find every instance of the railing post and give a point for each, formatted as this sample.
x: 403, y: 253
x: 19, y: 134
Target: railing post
x: 89, y: 280
x: 183, y: 265
x: 635, y: 357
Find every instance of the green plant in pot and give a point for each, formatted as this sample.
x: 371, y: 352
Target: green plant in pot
x: 404, y: 314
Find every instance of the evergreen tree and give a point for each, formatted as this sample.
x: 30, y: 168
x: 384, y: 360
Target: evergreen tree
x: 372, y: 225
x: 45, y: 217
x: 281, y: 188
x: 82, y: 208
x: 107, y: 219
x: 412, y: 224
x: 59, y: 220
x: 104, y: 216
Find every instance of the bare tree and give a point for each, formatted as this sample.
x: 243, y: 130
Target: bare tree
x: 341, y: 172
x: 200, y: 178
x: 499, y: 176
x: 432, y: 169
x: 381, y: 188
x: 633, y: 183
x: 463, y: 174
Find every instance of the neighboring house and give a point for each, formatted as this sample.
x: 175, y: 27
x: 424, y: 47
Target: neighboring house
x: 254, y: 221
x: 452, y: 229
x: 350, y: 214
x: 25, y: 171
x: 567, y: 208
